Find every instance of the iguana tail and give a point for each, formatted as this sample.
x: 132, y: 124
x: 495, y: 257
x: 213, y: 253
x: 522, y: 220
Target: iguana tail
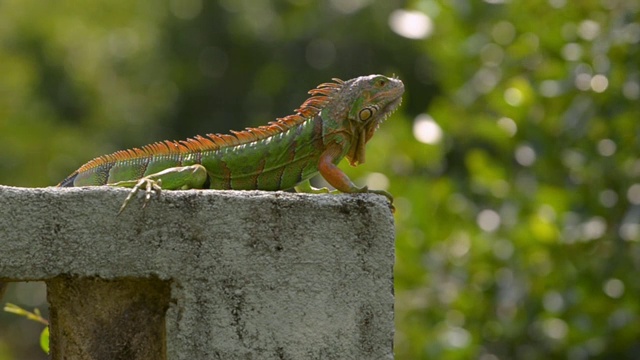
x: 68, y: 182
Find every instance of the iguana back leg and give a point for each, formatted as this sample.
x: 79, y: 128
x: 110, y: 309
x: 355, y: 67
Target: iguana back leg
x: 174, y: 178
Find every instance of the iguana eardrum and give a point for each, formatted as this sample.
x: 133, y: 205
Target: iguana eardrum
x: 335, y: 122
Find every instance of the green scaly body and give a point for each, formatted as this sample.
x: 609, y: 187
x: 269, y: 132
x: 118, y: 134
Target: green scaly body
x: 334, y: 123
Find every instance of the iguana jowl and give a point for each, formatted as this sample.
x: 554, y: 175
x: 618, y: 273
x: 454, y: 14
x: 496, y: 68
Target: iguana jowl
x: 335, y: 122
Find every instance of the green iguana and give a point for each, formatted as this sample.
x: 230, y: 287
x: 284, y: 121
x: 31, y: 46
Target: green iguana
x: 335, y: 122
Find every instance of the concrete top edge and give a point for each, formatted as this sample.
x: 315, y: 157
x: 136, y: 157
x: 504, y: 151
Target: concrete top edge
x: 45, y: 232
x: 371, y: 200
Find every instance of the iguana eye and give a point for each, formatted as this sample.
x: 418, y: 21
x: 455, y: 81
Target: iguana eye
x: 381, y: 82
x: 365, y: 114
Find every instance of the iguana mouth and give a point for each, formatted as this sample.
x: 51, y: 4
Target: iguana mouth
x: 395, y: 94
x: 390, y: 108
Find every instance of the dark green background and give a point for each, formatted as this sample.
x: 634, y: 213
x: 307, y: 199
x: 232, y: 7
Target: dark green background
x: 517, y: 231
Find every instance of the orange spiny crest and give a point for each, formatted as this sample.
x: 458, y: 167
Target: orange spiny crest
x: 320, y: 97
x: 229, y: 140
x: 218, y: 140
x: 241, y: 135
x: 204, y: 142
x: 259, y: 132
x: 287, y: 121
x: 169, y: 147
x: 277, y: 126
x: 318, y: 91
x: 191, y: 144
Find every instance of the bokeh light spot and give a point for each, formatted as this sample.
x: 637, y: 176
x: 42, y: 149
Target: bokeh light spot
x: 608, y: 198
x: 513, y: 96
x: 503, y: 32
x: 377, y: 180
x: 631, y: 33
x: 553, y: 301
x: 456, y: 337
x: 550, y: 88
x: 633, y: 194
x: 594, y: 228
x: 631, y: 90
x: 606, y: 147
x: 599, y: 83
x: 488, y: 220
x: 491, y: 54
x: 588, y: 29
x: 629, y: 231
x: 614, y: 288
x: 461, y: 244
x: 557, y: 3
x: 508, y: 125
x: 426, y: 130
x: 572, y: 52
x: 411, y: 24
x: 583, y: 81
x: 486, y: 79
x: 525, y: 155
x: 555, y: 328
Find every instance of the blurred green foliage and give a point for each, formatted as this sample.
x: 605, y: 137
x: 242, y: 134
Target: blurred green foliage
x: 514, y: 158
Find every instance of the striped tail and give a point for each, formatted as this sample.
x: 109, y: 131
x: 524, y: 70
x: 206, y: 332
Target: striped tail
x: 68, y: 182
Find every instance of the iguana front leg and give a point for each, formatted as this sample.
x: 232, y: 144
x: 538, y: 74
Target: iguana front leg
x: 338, y: 179
x: 175, y: 178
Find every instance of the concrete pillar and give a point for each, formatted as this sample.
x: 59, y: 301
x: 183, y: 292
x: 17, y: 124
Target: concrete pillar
x: 206, y: 274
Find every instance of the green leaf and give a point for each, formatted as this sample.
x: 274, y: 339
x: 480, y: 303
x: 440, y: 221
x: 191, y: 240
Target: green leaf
x: 44, y: 339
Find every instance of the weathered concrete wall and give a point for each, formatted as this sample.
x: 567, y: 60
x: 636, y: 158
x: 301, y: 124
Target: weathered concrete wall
x: 120, y: 319
x: 252, y: 275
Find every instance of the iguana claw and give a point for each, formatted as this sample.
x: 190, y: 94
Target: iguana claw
x: 365, y: 189
x: 150, y: 186
x: 388, y: 196
x: 307, y: 188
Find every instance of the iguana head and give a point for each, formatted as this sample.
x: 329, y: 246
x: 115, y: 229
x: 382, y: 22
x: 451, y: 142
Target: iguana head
x: 362, y: 104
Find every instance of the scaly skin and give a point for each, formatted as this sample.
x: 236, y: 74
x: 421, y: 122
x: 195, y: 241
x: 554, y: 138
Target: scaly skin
x: 336, y: 122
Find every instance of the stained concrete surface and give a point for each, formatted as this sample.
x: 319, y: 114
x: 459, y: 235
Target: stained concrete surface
x: 251, y: 275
